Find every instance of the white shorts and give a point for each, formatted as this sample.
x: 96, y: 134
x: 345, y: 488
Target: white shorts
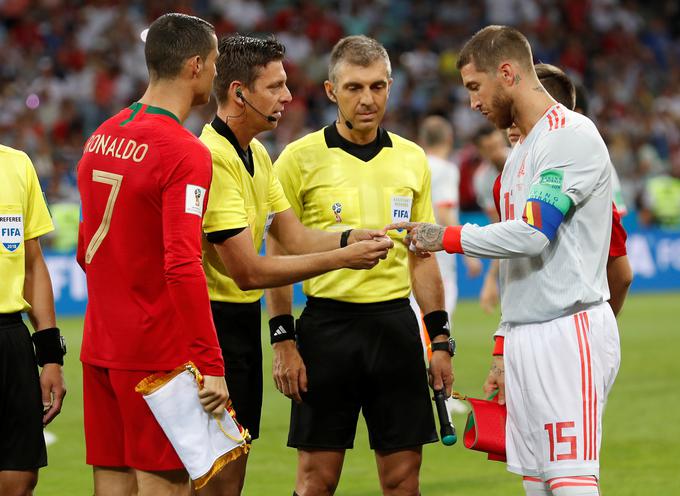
x: 557, y: 378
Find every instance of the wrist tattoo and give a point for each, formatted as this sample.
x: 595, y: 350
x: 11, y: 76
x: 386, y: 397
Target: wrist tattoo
x: 430, y: 236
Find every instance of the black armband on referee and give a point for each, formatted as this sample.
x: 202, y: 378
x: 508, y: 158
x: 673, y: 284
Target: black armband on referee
x: 49, y: 346
x: 344, y: 237
x: 281, y: 328
x: 437, y: 324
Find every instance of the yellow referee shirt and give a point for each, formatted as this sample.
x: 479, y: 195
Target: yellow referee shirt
x: 238, y: 198
x: 331, y: 188
x: 23, y: 215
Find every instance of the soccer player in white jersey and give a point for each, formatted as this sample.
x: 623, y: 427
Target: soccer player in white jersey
x: 561, y: 340
x: 436, y: 138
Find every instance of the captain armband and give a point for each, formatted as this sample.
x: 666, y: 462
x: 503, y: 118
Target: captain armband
x: 546, y: 204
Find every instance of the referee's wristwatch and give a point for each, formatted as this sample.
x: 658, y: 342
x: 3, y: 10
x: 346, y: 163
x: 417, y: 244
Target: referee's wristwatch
x: 449, y: 345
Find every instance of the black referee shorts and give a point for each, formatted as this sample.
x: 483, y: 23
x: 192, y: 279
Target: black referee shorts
x: 364, y: 357
x: 22, y: 445
x: 238, y: 330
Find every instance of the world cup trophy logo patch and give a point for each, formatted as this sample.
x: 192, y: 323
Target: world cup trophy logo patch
x: 337, y: 208
x: 197, y: 197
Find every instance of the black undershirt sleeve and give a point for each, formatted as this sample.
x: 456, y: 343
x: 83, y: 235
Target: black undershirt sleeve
x: 220, y: 236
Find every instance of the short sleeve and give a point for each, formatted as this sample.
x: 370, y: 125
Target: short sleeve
x: 572, y: 160
x: 277, y: 198
x: 226, y: 207
x: 289, y: 175
x: 422, y: 201
x: 37, y: 219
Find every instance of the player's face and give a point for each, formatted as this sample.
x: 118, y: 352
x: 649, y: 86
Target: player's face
x: 270, y: 94
x: 361, y: 94
x: 487, y: 96
x: 206, y: 76
x: 513, y: 134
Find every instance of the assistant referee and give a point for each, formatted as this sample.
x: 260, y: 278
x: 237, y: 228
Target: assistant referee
x: 357, y: 337
x: 28, y: 401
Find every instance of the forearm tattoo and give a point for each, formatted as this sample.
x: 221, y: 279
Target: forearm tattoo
x: 430, y: 236
x: 497, y: 371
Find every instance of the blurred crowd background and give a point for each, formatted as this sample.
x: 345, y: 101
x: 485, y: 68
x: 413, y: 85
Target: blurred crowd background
x: 67, y: 65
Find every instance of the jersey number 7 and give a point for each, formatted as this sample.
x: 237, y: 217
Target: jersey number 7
x: 114, y: 180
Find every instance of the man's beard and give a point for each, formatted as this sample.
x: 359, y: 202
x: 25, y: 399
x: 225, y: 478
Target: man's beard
x: 501, y: 108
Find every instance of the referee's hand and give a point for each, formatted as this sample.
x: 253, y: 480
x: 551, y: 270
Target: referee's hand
x: 53, y: 390
x: 288, y: 370
x: 214, y: 394
x: 366, y: 254
x: 441, y: 372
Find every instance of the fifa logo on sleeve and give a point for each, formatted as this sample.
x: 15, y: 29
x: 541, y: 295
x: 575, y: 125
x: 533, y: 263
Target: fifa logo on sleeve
x: 337, y: 208
x: 197, y: 197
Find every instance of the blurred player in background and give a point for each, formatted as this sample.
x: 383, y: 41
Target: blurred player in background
x: 245, y: 201
x: 619, y: 271
x: 357, y: 336
x: 28, y: 401
x: 492, y: 146
x: 561, y: 344
x: 436, y: 138
x: 143, y: 181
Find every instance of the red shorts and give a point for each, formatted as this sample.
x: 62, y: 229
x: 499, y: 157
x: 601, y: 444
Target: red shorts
x: 120, y: 430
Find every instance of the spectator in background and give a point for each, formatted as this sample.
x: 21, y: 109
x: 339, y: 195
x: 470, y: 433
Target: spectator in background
x: 661, y: 199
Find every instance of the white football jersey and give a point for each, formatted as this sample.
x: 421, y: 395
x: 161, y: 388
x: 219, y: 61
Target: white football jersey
x: 445, y: 184
x: 543, y: 280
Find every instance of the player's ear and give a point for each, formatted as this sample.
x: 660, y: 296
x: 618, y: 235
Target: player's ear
x: 196, y: 65
x: 330, y: 92
x: 508, y: 74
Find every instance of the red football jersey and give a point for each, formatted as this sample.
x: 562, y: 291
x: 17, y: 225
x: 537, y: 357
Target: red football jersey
x: 143, y: 181
x: 617, y: 245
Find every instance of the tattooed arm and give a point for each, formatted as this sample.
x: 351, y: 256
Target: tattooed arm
x: 496, y: 379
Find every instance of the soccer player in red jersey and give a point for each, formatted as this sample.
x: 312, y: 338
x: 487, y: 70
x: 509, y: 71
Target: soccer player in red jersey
x: 143, y: 180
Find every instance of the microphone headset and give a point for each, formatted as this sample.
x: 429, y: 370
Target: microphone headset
x: 348, y: 123
x: 239, y: 94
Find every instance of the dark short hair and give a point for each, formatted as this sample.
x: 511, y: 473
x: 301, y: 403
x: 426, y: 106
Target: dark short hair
x: 241, y: 58
x: 581, y: 99
x: 357, y: 50
x: 493, y: 44
x: 174, y: 38
x: 483, y: 132
x: 557, y: 83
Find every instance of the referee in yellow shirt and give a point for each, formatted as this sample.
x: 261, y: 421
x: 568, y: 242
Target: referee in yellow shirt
x: 246, y: 201
x: 358, y: 339
x: 28, y: 401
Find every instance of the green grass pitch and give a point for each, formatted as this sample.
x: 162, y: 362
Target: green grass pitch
x: 641, y: 453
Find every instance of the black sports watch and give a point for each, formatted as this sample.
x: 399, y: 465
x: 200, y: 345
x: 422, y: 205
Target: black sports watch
x: 448, y: 345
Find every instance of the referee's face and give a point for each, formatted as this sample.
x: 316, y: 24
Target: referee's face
x: 361, y: 94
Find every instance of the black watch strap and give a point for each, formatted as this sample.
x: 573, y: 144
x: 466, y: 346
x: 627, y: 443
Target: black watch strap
x: 449, y: 346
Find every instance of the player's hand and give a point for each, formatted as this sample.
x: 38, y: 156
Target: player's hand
x: 488, y: 296
x: 495, y: 381
x: 441, y: 372
x: 365, y: 235
x: 288, y: 370
x: 214, y: 394
x: 53, y: 389
x: 366, y: 254
x: 421, y: 237
x: 473, y: 266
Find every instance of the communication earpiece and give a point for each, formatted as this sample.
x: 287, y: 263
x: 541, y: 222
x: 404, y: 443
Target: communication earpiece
x: 239, y: 94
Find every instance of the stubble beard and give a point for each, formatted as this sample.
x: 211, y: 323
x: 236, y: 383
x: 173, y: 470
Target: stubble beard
x: 502, y: 111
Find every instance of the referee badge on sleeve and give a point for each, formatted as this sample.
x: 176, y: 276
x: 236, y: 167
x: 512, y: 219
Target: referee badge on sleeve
x: 193, y: 203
